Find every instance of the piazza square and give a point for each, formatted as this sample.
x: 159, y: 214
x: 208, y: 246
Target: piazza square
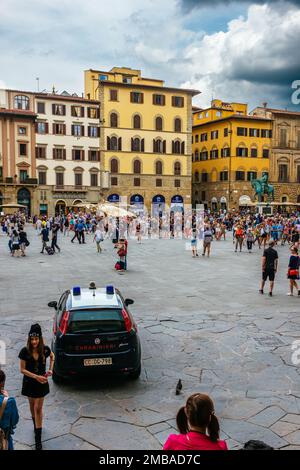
x: 150, y: 233
x: 200, y: 320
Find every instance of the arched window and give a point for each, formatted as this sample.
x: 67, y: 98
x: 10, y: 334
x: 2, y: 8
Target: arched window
x: 113, y: 120
x: 21, y: 102
x: 113, y: 143
x: 177, y: 125
x: 196, y: 156
x: 196, y: 179
x: 136, y: 145
x: 159, y: 146
x: 136, y: 121
x: 242, y: 151
x: 176, y: 147
x: 177, y: 169
x: 136, y: 167
x: 298, y: 198
x: 114, y: 166
x: 158, y: 167
x: 158, y: 123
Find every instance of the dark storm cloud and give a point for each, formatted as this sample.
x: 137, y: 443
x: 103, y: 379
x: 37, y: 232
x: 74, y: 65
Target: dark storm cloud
x: 280, y: 77
x: 190, y: 4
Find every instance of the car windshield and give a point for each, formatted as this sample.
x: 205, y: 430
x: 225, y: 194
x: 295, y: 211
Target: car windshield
x: 97, y: 321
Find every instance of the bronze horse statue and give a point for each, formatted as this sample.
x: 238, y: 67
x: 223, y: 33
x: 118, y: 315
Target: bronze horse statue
x: 262, y: 187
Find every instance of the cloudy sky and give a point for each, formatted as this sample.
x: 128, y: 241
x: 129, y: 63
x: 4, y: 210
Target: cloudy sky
x: 237, y: 51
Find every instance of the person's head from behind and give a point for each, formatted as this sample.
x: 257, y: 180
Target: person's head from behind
x: 271, y: 243
x: 2, y: 379
x: 199, y: 412
x: 15, y: 233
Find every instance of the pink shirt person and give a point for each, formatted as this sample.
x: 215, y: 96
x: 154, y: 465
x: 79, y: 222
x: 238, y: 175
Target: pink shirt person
x: 193, y: 441
x: 198, y: 426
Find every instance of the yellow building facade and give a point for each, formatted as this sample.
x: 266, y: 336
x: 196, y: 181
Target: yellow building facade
x: 145, y: 137
x: 230, y: 148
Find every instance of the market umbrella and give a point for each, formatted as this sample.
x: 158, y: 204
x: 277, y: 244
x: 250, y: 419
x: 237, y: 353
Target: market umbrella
x: 81, y: 205
x: 12, y: 205
x: 115, y: 211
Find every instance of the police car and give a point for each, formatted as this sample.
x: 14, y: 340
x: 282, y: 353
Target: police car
x: 94, y: 332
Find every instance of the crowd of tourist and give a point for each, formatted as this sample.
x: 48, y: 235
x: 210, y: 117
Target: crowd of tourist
x: 196, y: 421
x: 249, y: 230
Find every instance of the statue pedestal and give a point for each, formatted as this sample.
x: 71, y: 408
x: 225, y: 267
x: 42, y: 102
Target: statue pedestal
x: 264, y: 208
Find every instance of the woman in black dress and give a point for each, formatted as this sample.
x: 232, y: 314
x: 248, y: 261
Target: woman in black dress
x: 35, y: 381
x: 293, y: 270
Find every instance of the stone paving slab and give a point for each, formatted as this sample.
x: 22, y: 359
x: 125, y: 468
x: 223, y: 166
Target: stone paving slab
x: 293, y: 438
x: 199, y: 320
x: 291, y: 418
x: 121, y: 435
x: 268, y: 416
x: 243, y: 431
x: 283, y: 428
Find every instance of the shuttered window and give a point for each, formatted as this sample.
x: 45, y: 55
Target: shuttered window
x: 77, y: 111
x: 113, y: 95
x: 59, y: 179
x: 59, y: 109
x: 137, y: 97
x: 94, y: 179
x: 40, y: 152
x: 178, y: 101
x: 42, y: 177
x: 94, y: 155
x: 159, y: 100
x: 78, y: 179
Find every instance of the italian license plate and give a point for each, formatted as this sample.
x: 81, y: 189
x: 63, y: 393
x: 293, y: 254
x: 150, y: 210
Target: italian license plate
x: 103, y: 361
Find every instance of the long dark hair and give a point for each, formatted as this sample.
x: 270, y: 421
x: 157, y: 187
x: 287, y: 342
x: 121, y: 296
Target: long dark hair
x: 40, y: 348
x: 199, y: 412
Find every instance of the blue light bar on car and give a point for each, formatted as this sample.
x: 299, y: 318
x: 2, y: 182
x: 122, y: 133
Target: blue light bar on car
x: 110, y: 290
x: 76, y: 290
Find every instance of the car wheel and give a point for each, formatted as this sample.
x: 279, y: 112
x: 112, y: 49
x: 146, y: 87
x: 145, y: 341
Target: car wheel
x: 136, y: 373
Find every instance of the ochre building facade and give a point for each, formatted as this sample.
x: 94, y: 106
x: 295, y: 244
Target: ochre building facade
x: 18, y: 181
x: 230, y: 148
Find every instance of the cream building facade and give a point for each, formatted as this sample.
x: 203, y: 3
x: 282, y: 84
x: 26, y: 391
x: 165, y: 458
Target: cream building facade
x: 67, y: 151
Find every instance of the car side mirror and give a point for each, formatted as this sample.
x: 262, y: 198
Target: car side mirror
x: 52, y: 305
x: 129, y: 302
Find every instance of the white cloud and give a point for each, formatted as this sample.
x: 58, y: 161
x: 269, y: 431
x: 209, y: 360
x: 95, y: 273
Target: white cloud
x: 56, y: 40
x: 254, y: 60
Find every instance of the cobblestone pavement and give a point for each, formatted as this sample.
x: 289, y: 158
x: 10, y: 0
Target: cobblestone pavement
x: 200, y: 320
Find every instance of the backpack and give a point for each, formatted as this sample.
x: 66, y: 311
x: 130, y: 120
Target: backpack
x: 3, y: 437
x: 50, y: 250
x: 256, y: 445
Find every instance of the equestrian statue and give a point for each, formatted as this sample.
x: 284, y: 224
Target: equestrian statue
x: 262, y: 187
